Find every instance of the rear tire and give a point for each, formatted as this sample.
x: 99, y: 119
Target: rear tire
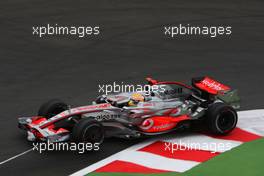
x: 221, y: 118
x: 52, y: 108
x: 88, y: 130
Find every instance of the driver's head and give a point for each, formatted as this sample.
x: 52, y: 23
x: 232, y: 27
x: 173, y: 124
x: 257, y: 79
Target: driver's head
x: 135, y: 99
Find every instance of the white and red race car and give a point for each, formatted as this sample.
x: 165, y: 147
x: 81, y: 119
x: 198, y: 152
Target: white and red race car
x: 172, y: 106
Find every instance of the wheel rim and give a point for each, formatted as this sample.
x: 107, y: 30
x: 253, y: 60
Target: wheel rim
x: 93, y: 134
x: 226, y: 121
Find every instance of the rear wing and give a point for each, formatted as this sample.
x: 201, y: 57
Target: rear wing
x: 219, y: 90
x: 209, y: 85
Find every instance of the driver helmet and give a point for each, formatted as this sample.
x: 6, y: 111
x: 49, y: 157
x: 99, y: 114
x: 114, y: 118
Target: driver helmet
x: 135, y: 99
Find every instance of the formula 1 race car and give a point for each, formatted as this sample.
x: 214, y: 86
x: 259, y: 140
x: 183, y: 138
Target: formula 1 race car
x: 168, y: 106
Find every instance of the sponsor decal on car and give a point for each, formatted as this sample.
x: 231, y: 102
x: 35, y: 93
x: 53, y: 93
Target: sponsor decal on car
x: 213, y: 84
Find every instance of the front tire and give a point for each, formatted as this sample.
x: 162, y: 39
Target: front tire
x: 52, y: 108
x: 221, y: 118
x: 88, y: 130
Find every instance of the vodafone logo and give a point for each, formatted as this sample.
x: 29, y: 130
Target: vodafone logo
x: 147, y: 124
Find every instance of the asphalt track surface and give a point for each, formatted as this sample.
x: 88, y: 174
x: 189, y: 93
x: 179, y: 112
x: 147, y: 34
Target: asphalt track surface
x: 131, y: 46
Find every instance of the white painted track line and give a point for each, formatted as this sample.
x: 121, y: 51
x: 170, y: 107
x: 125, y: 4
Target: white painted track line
x: 252, y: 121
x: 16, y: 156
x: 112, y: 158
x: 158, y: 162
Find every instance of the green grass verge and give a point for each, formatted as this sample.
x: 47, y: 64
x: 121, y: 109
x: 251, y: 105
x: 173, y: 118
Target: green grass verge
x: 245, y: 160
